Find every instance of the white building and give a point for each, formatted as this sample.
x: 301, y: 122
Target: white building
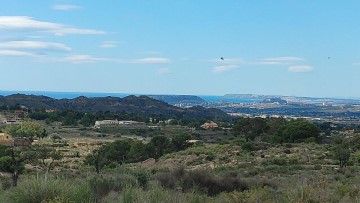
x: 98, y: 124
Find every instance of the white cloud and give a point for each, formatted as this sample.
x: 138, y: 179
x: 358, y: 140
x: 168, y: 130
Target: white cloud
x: 152, y: 60
x: 16, y: 53
x: 84, y: 59
x: 269, y: 63
x: 65, y: 7
x: 279, y: 60
x: 34, y: 45
x: 163, y: 71
x: 25, y: 23
x: 225, y: 68
x: 90, y: 59
x: 109, y: 44
x: 300, y: 68
x: 284, y: 58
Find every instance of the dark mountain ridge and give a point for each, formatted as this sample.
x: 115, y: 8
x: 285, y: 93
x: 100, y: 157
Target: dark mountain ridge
x: 175, y: 99
x: 129, y: 104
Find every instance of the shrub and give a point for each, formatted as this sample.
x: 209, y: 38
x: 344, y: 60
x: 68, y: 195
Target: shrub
x: 247, y: 146
x: 48, y: 188
x: 167, y: 180
x: 287, y: 151
x: 294, y: 160
x: 5, y: 183
x: 142, y: 177
x: 101, y: 186
x: 201, y: 180
x: 210, y: 157
x: 317, y: 167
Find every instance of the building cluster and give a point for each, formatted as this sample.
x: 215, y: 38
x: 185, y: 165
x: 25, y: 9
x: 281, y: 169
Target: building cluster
x: 15, y: 117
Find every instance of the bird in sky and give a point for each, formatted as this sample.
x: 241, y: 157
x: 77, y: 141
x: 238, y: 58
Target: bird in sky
x: 222, y: 58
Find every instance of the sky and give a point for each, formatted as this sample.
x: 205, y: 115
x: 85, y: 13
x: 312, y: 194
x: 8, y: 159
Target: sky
x: 277, y: 47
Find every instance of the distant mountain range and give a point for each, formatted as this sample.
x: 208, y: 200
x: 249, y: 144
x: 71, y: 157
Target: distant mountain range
x: 192, y: 100
x: 309, y: 100
x: 130, y: 104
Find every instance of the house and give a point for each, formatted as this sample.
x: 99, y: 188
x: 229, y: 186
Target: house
x: 6, y: 139
x: 14, y: 119
x: 209, y: 125
x: 193, y: 141
x: 106, y: 122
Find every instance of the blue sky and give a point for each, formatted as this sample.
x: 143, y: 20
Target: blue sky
x: 283, y: 47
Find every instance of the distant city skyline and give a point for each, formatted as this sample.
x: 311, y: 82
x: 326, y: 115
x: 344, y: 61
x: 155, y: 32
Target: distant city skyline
x: 281, y: 47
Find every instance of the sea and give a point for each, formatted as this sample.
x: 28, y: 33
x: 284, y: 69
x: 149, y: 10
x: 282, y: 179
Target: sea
x: 72, y: 95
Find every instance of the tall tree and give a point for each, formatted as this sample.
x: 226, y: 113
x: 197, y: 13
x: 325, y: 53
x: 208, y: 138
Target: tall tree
x: 250, y: 127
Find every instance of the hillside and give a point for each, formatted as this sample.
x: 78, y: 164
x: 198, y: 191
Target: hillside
x: 130, y: 104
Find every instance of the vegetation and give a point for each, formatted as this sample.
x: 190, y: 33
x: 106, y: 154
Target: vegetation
x: 28, y: 129
x: 80, y: 164
x: 131, y: 151
x: 277, y: 130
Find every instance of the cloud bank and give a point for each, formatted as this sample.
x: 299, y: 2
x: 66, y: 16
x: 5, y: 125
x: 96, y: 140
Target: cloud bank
x: 25, y: 23
x: 34, y: 45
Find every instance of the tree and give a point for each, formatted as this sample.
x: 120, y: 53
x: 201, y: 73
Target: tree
x: 296, y: 131
x: 341, y: 150
x: 13, y: 161
x: 138, y: 152
x: 118, y: 151
x: 48, y: 155
x: 342, y: 155
x: 242, y: 127
x: 160, y: 145
x: 69, y: 119
x: 250, y: 127
x: 97, y: 159
x: 275, y: 124
x: 27, y: 129
x: 110, y: 155
x: 179, y: 142
x: 87, y: 120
